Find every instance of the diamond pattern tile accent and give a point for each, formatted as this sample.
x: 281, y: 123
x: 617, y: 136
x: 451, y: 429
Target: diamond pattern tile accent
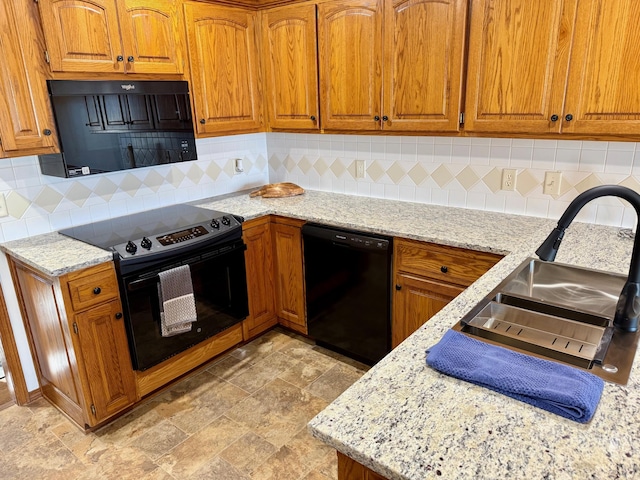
x: 247, y: 164
x: 320, y: 166
x: 48, y: 198
x: 78, y: 193
x: 467, y: 177
x: 175, y: 176
x: 289, y: 163
x: 195, y: 174
x: 261, y: 162
x: 337, y: 168
x: 442, y: 176
x: 105, y: 189
x: 375, y: 171
x: 631, y: 183
x: 154, y: 180
x: 396, y: 172
x: 305, y: 165
x: 213, y: 171
x: 589, y: 182
x: 275, y: 162
x: 351, y: 168
x: 418, y: 174
x: 493, y: 179
x: 131, y: 184
x: 230, y: 168
x: 525, y: 182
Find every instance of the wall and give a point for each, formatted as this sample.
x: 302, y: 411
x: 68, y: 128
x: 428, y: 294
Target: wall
x: 461, y: 172
x: 40, y: 204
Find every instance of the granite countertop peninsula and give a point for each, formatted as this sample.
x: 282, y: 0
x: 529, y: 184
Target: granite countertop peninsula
x: 403, y: 419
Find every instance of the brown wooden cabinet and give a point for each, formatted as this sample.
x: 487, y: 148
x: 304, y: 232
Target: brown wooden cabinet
x: 260, y: 286
x: 26, y: 121
x: 289, y: 273
x: 349, y: 469
x: 290, y: 64
x: 405, y: 77
x: 427, y: 277
x: 79, y: 341
x: 126, y: 36
x: 223, y: 55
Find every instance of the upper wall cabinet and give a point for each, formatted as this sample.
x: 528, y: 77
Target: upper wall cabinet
x: 222, y: 48
x: 517, y: 68
x: 126, y: 36
x: 394, y: 65
x: 290, y: 64
x: 603, y: 92
x: 26, y: 121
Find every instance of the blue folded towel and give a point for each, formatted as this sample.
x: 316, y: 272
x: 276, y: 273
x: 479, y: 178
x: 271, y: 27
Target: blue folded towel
x: 563, y: 390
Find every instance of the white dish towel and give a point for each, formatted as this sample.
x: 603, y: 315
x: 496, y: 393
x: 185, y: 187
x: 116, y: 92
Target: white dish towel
x: 177, y: 302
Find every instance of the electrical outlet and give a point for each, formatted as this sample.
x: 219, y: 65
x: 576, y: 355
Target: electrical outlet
x: 552, y: 182
x: 3, y: 206
x: 360, y: 168
x: 509, y: 179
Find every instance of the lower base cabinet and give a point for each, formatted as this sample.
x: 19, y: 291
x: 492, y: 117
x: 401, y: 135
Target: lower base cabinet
x: 349, y: 469
x: 78, y: 338
x: 427, y: 277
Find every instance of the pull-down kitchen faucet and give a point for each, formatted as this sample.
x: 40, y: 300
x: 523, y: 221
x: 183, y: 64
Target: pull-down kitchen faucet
x: 628, y: 307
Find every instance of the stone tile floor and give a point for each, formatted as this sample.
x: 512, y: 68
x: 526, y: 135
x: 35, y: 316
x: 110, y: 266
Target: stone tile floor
x: 244, y: 417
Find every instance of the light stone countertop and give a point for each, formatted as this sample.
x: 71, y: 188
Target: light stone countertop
x: 403, y: 419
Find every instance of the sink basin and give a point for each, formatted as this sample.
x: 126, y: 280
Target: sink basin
x: 558, y: 312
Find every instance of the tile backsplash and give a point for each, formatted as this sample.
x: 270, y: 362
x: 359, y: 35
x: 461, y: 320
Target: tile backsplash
x: 459, y: 172
x: 462, y: 172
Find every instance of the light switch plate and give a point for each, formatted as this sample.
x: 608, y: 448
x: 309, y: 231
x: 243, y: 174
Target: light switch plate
x: 509, y: 179
x: 4, y: 212
x: 237, y: 166
x: 360, y: 168
x: 552, y: 181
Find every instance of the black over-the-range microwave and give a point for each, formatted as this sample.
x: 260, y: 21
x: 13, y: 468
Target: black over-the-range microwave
x: 106, y: 126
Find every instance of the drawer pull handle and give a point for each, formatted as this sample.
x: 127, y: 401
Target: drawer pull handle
x: 444, y: 269
x: 118, y: 315
x: 97, y: 290
x: 398, y: 286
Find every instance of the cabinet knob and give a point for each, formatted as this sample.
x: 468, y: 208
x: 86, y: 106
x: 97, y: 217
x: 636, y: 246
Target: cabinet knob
x: 376, y: 118
x: 118, y: 315
x: 444, y: 269
x: 568, y: 117
x: 313, y: 118
x: 203, y: 121
x: 398, y: 286
x: 385, y: 118
x: 130, y: 58
x: 554, y: 118
x: 46, y: 131
x: 97, y: 290
x: 120, y: 58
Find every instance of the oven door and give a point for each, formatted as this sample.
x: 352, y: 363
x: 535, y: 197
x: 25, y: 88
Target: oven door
x: 220, y: 291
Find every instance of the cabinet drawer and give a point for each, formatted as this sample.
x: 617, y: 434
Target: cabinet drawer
x: 448, y: 264
x: 93, y: 289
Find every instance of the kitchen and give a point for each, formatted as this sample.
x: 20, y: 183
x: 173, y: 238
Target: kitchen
x: 453, y: 171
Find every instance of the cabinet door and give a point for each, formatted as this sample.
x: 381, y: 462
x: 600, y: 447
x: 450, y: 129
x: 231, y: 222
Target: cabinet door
x: 126, y: 112
x: 107, y: 365
x: 423, y: 62
x: 289, y: 40
x: 25, y: 114
x: 224, y: 68
x: 259, y: 264
x: 350, y: 59
x: 290, y: 304
x: 603, y: 94
x: 82, y: 35
x: 416, y: 300
x: 517, y: 67
x: 171, y: 112
x: 151, y: 36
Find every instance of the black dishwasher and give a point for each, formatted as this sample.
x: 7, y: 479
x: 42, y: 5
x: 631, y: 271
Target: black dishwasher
x: 348, y: 281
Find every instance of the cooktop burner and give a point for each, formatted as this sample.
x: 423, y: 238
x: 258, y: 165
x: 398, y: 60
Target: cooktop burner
x: 161, y: 231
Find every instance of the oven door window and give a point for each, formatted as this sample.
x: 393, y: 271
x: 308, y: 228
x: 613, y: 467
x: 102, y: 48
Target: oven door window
x: 219, y: 287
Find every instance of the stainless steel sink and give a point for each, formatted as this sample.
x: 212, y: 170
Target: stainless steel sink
x: 558, y: 312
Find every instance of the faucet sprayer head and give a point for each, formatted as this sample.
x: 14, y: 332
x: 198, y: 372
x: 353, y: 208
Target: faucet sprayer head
x: 549, y: 248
